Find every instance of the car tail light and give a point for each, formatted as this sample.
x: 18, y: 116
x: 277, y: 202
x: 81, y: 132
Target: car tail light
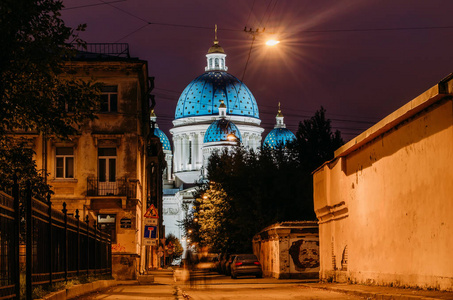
x: 238, y: 264
x: 257, y: 263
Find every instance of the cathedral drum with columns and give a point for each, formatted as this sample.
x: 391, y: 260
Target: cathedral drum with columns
x: 212, y: 109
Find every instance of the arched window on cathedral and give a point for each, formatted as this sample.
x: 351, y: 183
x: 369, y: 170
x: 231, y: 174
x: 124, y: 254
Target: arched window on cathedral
x: 210, y: 62
x: 217, y: 63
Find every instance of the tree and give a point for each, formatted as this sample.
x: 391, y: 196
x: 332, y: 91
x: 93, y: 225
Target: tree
x: 36, y: 95
x: 177, y: 248
x: 316, y: 142
x: 212, y: 211
x: 249, y: 191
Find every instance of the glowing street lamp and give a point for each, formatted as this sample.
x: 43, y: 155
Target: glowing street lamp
x: 272, y: 42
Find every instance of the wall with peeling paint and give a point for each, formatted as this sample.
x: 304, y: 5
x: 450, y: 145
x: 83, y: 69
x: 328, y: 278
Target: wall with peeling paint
x: 125, y: 130
x: 288, y: 250
x: 385, y: 202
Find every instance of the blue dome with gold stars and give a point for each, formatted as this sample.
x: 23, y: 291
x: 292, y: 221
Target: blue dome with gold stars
x: 163, y: 139
x: 202, y: 97
x: 219, y: 130
x: 278, y: 137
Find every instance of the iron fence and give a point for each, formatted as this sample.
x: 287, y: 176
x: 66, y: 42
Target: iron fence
x: 64, y: 247
x: 9, y: 248
x: 57, y: 246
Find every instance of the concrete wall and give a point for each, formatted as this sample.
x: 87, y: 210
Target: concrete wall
x: 288, y: 250
x: 384, y: 203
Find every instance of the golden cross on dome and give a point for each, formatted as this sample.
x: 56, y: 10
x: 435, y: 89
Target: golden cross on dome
x: 215, y: 40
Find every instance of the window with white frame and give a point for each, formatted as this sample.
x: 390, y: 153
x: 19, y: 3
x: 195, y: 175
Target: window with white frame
x: 109, y: 98
x: 64, y: 162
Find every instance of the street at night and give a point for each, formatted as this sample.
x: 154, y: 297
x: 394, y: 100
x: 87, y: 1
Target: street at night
x: 296, y: 149
x: 220, y: 287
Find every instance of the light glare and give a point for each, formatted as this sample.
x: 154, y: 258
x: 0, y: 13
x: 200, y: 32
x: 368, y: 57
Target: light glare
x: 272, y: 42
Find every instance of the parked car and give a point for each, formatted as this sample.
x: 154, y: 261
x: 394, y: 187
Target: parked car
x: 228, y: 264
x: 208, y: 262
x: 246, y: 264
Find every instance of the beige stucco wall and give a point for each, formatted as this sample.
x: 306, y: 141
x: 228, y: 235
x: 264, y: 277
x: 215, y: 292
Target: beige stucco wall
x: 385, y: 204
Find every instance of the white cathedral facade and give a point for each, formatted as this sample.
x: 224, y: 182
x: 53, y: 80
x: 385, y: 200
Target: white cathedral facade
x: 214, y: 111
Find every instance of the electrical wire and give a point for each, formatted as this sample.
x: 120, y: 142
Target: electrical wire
x: 131, y: 33
x: 251, y: 10
x: 90, y: 5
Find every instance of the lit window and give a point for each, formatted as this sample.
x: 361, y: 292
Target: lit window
x: 109, y: 98
x: 64, y: 162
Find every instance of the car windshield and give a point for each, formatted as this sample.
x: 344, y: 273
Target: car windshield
x: 247, y: 257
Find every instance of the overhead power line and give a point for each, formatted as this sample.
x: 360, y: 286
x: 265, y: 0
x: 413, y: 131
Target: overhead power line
x: 90, y: 5
x: 241, y: 30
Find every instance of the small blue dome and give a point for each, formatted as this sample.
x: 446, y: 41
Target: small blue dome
x: 278, y: 137
x: 163, y: 139
x: 219, y: 130
x: 202, y: 97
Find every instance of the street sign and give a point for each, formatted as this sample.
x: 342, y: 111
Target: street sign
x: 150, y: 221
x: 150, y: 242
x: 151, y: 212
x: 150, y: 232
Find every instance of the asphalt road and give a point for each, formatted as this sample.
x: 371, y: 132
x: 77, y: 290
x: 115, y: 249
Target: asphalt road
x: 220, y: 288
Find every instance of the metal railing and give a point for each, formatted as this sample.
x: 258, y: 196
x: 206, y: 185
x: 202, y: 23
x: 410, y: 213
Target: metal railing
x: 57, y: 246
x: 110, y: 49
x: 9, y: 248
x: 121, y: 187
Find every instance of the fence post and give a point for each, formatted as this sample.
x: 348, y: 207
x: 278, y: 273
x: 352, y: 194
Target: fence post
x: 78, y: 241
x: 109, y: 247
x: 88, y: 245
x: 29, y: 246
x: 95, y: 242
x: 49, y: 203
x: 65, y: 211
x: 16, y: 246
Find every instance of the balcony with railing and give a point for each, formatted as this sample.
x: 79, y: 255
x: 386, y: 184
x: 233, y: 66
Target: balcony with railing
x: 122, y: 187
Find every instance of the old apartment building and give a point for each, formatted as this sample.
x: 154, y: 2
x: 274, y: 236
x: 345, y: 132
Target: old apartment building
x: 111, y: 171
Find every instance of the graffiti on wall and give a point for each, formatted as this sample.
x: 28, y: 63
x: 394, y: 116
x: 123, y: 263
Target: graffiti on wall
x: 305, y: 254
x: 118, y: 248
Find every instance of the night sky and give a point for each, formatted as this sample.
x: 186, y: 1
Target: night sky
x: 360, y: 60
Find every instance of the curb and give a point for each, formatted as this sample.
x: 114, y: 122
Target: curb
x: 86, y: 288
x: 374, y: 295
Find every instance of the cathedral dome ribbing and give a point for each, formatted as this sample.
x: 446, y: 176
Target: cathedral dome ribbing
x: 219, y: 131
x: 202, y: 97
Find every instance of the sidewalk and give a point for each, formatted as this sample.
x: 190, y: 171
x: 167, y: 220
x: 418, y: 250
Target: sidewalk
x: 381, y: 292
